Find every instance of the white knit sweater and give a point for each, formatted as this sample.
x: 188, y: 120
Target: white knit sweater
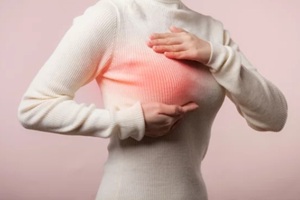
x: 108, y: 44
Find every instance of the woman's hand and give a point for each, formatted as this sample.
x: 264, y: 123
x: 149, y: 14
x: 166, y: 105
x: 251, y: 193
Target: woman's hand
x: 161, y: 118
x: 180, y: 44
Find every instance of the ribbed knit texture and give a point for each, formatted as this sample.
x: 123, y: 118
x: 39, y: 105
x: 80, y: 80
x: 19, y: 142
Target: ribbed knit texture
x: 108, y: 44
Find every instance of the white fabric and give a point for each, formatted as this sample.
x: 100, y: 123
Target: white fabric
x: 108, y: 44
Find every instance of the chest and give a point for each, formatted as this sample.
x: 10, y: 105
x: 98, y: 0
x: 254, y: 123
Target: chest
x: 139, y: 73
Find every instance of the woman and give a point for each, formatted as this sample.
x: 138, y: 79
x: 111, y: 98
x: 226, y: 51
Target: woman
x: 164, y: 71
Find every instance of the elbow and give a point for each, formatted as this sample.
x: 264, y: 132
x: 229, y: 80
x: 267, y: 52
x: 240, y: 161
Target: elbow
x: 275, y: 127
x: 280, y: 119
x: 23, y: 118
x: 280, y: 124
x: 27, y: 116
x: 267, y: 128
x: 26, y: 123
x: 279, y: 114
x: 273, y: 124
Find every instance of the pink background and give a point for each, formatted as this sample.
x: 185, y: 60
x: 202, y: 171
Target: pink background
x: 240, y: 164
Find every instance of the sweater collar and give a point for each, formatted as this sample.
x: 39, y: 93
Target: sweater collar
x: 168, y: 1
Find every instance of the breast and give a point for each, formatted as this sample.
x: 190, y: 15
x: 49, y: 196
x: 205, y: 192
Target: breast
x: 146, y: 76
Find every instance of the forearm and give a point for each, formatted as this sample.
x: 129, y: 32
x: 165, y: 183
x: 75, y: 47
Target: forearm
x: 64, y: 116
x: 259, y: 101
x: 82, y: 54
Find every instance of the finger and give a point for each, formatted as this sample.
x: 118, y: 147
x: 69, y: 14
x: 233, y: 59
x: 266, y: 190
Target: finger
x: 165, y: 41
x: 171, y: 110
x: 190, y: 107
x: 161, y: 35
x: 181, y: 55
x: 175, y: 124
x: 168, y: 48
x: 175, y: 29
x: 173, y: 121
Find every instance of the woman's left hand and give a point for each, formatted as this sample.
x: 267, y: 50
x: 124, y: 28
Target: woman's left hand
x: 180, y: 44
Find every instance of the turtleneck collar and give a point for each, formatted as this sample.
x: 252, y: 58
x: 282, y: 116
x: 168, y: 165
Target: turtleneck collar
x: 167, y: 1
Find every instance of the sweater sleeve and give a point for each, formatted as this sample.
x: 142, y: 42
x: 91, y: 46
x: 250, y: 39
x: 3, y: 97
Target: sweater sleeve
x: 259, y: 101
x: 81, y: 55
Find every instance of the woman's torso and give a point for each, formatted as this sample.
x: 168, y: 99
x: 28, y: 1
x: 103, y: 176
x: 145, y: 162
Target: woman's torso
x: 167, y: 167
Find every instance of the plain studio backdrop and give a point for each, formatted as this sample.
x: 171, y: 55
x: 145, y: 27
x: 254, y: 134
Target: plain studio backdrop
x: 241, y: 164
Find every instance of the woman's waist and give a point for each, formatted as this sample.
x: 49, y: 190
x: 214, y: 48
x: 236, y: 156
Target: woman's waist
x: 150, y: 153
x: 160, y: 168
x: 158, y: 183
x: 173, y: 178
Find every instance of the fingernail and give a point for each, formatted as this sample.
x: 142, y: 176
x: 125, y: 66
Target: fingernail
x: 196, y: 106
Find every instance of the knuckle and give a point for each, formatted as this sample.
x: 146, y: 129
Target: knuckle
x: 167, y: 41
x: 170, y: 41
x: 179, y: 55
x: 176, y: 110
x: 172, y: 47
x: 189, y: 37
x: 156, y: 108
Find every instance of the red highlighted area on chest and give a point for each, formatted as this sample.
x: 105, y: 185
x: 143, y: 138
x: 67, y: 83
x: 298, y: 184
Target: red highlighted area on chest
x: 153, y: 79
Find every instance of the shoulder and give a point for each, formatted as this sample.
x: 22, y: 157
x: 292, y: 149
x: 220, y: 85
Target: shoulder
x: 102, y: 13
x: 205, y: 18
x: 205, y: 25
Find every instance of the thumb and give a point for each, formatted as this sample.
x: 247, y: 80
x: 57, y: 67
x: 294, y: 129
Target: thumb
x: 190, y: 107
x: 171, y: 110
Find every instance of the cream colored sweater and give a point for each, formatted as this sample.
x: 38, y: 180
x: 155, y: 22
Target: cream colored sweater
x: 108, y: 44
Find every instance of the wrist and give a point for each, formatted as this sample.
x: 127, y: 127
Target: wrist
x: 131, y: 122
x: 204, y: 54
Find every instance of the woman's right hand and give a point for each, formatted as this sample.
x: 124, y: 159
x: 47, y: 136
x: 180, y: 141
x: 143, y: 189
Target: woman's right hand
x: 160, y: 118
